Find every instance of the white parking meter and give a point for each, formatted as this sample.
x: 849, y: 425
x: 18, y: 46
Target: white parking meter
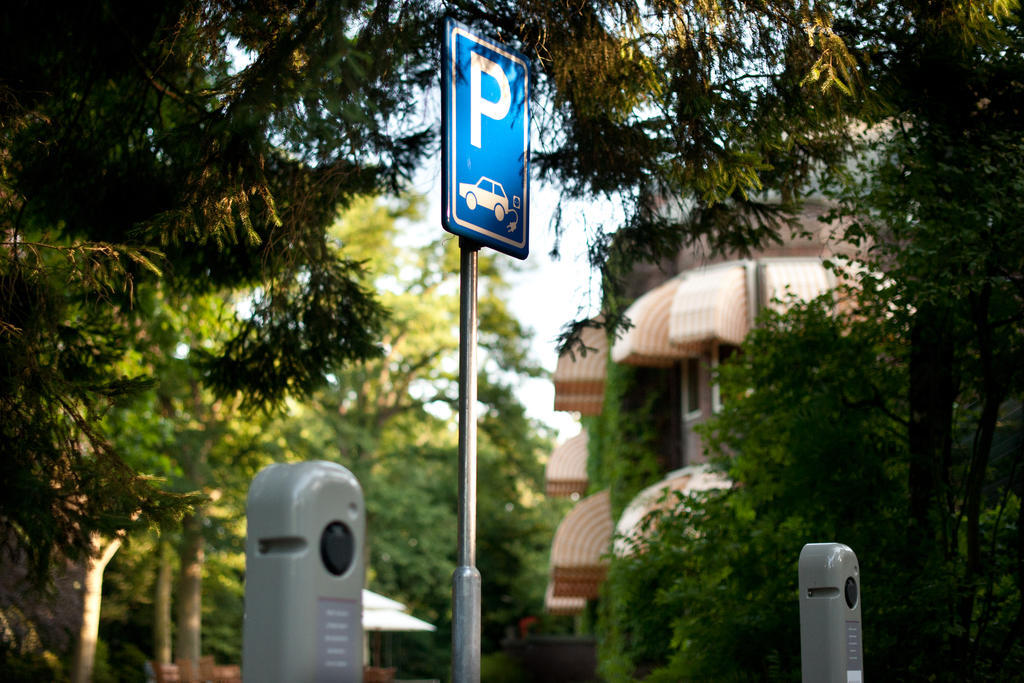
x: 831, y: 649
x: 304, y: 574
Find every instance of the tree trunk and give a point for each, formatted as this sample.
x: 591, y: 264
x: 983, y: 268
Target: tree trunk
x: 162, y: 603
x: 931, y: 395
x: 190, y: 588
x: 993, y: 391
x: 189, y: 598
x: 92, y: 594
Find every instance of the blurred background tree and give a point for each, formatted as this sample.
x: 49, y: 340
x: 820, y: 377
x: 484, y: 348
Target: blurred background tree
x: 391, y: 420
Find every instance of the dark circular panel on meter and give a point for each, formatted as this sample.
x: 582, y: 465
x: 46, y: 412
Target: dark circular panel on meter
x: 337, y: 548
x: 851, y: 592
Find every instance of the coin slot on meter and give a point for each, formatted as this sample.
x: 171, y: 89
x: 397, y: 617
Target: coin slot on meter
x: 851, y: 592
x: 337, y: 548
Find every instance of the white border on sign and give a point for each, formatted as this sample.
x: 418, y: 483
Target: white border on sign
x: 453, y: 179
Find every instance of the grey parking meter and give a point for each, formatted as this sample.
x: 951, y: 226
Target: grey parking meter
x: 304, y: 574
x: 831, y: 649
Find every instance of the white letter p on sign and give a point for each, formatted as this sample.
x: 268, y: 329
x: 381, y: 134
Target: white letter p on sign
x: 478, y: 106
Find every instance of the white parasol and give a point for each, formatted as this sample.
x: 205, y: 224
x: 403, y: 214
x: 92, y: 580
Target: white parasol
x: 384, y: 614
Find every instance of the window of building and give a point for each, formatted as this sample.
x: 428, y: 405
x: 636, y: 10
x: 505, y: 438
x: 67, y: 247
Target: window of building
x: 722, y: 353
x: 691, y: 388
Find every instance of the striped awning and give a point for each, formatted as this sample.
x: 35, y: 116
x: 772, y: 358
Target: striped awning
x: 695, y: 309
x: 566, y: 471
x: 579, y: 379
x: 803, y: 278
x: 562, y: 605
x: 646, y: 343
x: 578, y: 562
x: 629, y: 529
x: 710, y: 306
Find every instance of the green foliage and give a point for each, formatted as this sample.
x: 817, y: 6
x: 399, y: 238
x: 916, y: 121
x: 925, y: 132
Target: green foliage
x: 29, y: 667
x: 63, y: 369
x: 622, y: 440
x: 516, y: 522
x: 895, y: 430
x: 414, y: 560
x: 388, y: 419
x: 835, y: 389
x: 696, y: 116
x: 395, y: 429
x: 718, y: 572
x: 938, y: 203
x: 179, y: 150
x: 721, y: 607
x: 125, y: 662
x: 499, y: 667
x: 223, y: 601
x: 303, y: 317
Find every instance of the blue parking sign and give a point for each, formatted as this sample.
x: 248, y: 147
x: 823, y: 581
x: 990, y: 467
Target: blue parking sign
x: 485, y: 141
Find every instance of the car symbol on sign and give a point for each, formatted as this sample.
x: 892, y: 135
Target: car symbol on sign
x: 486, y: 193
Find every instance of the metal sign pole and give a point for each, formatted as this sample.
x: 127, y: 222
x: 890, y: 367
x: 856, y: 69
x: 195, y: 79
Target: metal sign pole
x: 466, y: 579
x: 485, y: 151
